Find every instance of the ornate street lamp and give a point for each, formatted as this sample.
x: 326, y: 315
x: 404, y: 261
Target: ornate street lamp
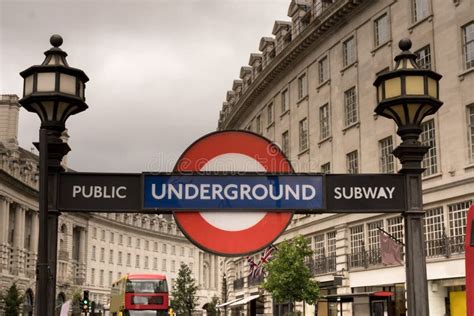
x: 54, y: 91
x: 407, y: 95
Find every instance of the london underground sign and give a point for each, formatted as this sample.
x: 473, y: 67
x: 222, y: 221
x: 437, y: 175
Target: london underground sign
x: 232, y: 192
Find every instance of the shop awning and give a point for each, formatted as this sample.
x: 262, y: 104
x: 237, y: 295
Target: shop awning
x: 245, y: 300
x: 346, y: 298
x: 229, y: 302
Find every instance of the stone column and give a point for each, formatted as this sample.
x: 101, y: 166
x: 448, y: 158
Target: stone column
x: 34, y: 239
x: 82, y: 255
x: 19, y: 240
x: 342, y: 264
x: 4, y: 218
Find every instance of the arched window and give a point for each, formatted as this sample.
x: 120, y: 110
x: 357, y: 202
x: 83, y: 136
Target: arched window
x: 28, y: 303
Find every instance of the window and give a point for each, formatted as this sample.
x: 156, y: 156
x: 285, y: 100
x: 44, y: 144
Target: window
x: 120, y: 239
x: 112, y: 237
x: 119, y: 258
x: 191, y: 266
x: 111, y: 256
x: 324, y: 127
x: 326, y: 168
x: 285, y: 143
x: 457, y: 219
x: 163, y: 266
x: 137, y: 261
x: 470, y: 116
x: 258, y: 123
x: 102, y: 254
x: 348, y: 51
x: 352, y: 162
x: 420, y: 10
x: 129, y: 259
x: 163, y: 248
x: 285, y: 101
x: 385, y: 155
x: 331, y: 238
x: 303, y: 134
x: 428, y: 138
x: 129, y: 241
x: 191, y: 252
x: 172, y: 266
x: 92, y: 276
x: 155, y: 246
x: 318, y: 242
x: 101, y: 278
x: 147, y: 245
x: 181, y: 253
x: 146, y: 262
x: 468, y: 42
x: 173, y: 250
x: 423, y: 57
x: 395, y: 227
x: 381, y: 29
x: 350, y: 106
x: 270, y: 113
x: 111, y: 278
x: 434, y: 231
x: 93, y: 253
x: 155, y: 263
x: 94, y: 233
x: 302, y: 86
x: 373, y: 235
x: 138, y: 242
x: 323, y: 69
x: 357, y: 239
x: 102, y: 235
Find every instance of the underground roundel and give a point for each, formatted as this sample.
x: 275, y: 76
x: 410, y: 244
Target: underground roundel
x: 233, y: 233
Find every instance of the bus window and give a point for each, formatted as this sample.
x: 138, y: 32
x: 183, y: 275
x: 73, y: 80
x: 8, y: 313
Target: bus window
x: 146, y: 286
x: 472, y: 233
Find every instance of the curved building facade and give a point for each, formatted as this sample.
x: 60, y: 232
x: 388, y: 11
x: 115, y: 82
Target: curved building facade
x: 310, y: 90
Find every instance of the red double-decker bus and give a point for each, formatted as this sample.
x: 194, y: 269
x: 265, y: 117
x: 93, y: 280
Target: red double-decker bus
x: 139, y: 295
x: 470, y: 261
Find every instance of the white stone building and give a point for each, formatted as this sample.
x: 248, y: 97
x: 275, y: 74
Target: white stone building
x: 93, y: 249
x: 310, y: 90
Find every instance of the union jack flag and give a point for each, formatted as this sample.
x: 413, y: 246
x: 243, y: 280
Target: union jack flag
x: 267, y: 255
x: 253, y: 267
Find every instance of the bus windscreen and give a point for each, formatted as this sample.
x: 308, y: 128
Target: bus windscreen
x: 146, y: 286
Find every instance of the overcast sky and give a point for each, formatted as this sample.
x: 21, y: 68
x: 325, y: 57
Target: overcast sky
x: 159, y: 70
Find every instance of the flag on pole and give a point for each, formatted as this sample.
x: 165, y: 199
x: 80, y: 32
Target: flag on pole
x: 252, y: 267
x: 390, y: 250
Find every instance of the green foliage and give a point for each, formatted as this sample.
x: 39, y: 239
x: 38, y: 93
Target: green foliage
x: 289, y: 279
x: 76, y: 297
x: 184, y: 292
x: 12, y: 301
x: 211, y: 306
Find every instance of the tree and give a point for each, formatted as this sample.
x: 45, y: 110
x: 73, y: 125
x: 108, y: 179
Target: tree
x: 184, y: 292
x: 211, y: 308
x: 289, y: 278
x: 12, y: 301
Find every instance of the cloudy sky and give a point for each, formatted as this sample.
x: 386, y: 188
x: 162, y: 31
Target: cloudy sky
x: 159, y: 70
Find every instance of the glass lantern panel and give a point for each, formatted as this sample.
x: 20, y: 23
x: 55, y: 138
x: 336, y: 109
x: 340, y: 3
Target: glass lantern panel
x: 399, y: 115
x: 81, y: 89
x: 67, y: 84
x: 393, y: 88
x: 379, y: 92
x: 432, y: 88
x: 414, y: 85
x: 28, y: 85
x: 423, y: 112
x: 49, y: 108
x: 62, y: 108
x: 46, y: 82
x: 413, y: 108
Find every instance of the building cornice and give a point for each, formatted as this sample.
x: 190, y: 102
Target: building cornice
x: 295, y: 49
x: 13, y: 182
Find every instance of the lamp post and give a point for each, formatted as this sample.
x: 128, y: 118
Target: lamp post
x: 407, y: 95
x: 54, y: 91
